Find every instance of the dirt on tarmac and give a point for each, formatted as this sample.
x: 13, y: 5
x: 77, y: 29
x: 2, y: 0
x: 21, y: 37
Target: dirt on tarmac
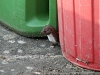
x: 33, y: 56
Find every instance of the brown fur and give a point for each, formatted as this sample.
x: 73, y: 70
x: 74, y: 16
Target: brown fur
x: 48, y: 30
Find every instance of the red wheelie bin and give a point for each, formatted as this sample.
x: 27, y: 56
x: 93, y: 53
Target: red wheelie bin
x: 79, y: 31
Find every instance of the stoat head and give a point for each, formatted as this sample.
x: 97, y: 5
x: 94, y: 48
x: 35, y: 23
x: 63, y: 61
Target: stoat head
x: 47, y: 30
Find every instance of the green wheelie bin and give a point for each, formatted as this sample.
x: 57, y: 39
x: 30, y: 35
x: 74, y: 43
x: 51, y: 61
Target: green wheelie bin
x: 28, y: 17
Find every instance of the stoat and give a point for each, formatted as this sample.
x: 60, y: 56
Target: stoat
x: 51, y: 33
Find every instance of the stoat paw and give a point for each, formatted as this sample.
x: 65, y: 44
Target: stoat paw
x: 52, y: 46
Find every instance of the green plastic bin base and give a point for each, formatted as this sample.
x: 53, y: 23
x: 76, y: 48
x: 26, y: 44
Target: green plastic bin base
x: 28, y: 16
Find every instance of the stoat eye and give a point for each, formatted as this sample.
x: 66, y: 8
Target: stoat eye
x: 44, y: 30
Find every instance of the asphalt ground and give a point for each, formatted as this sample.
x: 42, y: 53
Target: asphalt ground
x: 20, y: 55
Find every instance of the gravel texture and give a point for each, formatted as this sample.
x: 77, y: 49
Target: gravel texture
x: 33, y: 56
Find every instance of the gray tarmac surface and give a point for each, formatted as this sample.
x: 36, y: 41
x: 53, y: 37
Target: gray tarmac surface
x: 33, y: 56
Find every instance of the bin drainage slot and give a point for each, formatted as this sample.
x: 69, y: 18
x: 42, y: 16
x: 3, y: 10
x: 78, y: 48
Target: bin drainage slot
x: 84, y: 61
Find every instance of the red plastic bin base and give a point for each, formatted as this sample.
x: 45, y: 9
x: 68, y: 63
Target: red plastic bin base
x: 79, y: 31
x: 90, y: 66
